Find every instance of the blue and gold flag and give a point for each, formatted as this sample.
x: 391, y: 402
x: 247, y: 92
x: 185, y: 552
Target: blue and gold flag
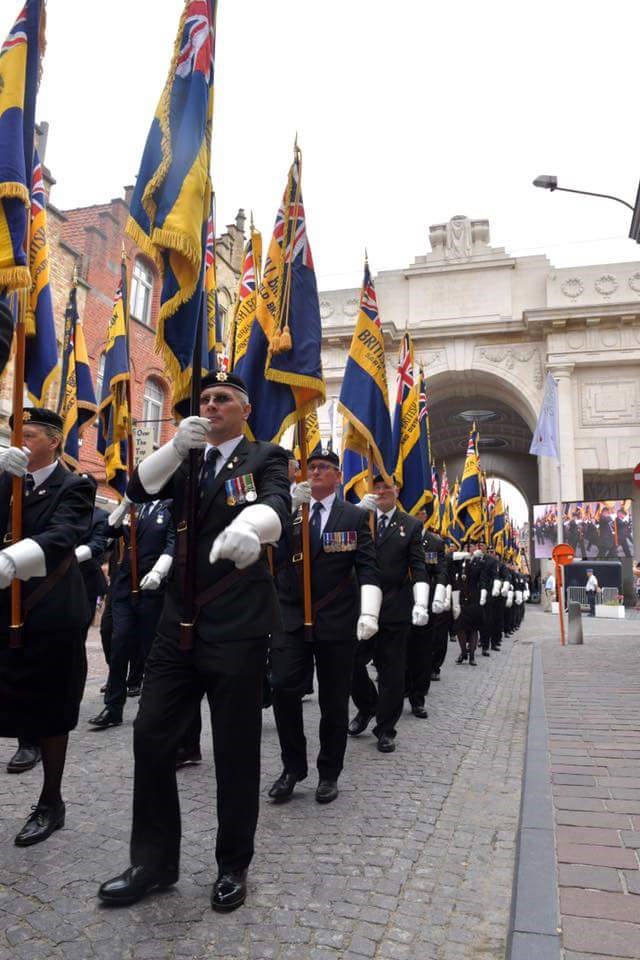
x: 364, y: 396
x: 313, y: 438
x: 114, y: 418
x: 171, y: 203
x: 19, y: 75
x: 433, y: 510
x: 468, y: 509
x: 410, y: 467
x: 77, y: 403
x: 41, y: 346
x: 498, y: 523
x: 245, y: 310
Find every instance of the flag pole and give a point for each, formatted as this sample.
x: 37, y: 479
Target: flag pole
x: 372, y: 521
x: 17, y: 440
x: 306, y: 539
x: 133, y: 516
x: 560, y: 526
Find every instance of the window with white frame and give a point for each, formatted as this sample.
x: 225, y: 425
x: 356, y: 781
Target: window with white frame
x: 141, y: 292
x: 153, y: 409
x: 99, y: 377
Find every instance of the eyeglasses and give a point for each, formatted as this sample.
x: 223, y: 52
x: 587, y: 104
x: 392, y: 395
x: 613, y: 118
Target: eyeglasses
x: 217, y: 398
x: 321, y: 467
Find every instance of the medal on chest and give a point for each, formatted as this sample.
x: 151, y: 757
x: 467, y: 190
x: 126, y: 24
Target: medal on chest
x: 240, y: 490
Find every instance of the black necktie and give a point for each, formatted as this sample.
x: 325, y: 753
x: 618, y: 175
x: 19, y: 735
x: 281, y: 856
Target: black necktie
x: 208, y: 474
x: 382, y: 525
x: 314, y: 526
x: 29, y: 484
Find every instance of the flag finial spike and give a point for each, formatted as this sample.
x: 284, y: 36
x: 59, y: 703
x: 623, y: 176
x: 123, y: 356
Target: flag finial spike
x: 123, y: 253
x: 251, y: 224
x: 75, y: 274
x: 366, y: 256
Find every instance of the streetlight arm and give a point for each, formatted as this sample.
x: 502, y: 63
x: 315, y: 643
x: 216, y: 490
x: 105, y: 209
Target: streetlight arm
x: 589, y: 193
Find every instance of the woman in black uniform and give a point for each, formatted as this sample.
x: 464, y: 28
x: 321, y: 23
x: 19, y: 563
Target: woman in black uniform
x: 42, y: 679
x: 470, y: 594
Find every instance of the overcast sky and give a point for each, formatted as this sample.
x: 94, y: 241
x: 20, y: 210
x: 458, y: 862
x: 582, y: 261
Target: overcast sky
x: 408, y: 113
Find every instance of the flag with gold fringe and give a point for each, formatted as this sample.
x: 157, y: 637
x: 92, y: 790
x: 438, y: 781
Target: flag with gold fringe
x: 19, y: 75
x: 468, y: 504
x: 246, y: 303
x: 314, y: 440
x: 171, y: 203
x: 410, y: 468
x: 77, y: 402
x: 41, y: 345
x: 114, y: 419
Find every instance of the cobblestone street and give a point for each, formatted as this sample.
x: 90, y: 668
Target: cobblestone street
x: 414, y: 860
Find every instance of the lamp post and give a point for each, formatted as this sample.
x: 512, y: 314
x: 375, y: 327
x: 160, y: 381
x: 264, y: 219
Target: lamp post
x: 548, y: 182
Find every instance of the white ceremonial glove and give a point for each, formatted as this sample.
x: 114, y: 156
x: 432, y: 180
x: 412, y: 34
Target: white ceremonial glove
x: 518, y: 597
x: 461, y: 555
x: 527, y: 593
x: 506, y: 586
x: 420, y: 611
x: 117, y: 516
x: 158, y: 573
x: 192, y: 434
x: 456, y: 609
x: 509, y: 602
x: 368, y: 502
x: 14, y: 461
x: 483, y: 598
x: 7, y: 570
x: 447, y: 605
x: 242, y: 540
x: 439, y: 604
x: 497, y: 586
x: 301, y: 494
x: 28, y: 559
x: 83, y: 552
x: 370, y: 603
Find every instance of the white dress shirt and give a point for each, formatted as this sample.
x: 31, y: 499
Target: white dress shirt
x: 226, y: 448
x: 327, y: 503
x: 39, y: 476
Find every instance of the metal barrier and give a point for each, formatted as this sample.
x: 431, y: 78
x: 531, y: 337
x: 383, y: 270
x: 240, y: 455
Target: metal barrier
x: 608, y: 596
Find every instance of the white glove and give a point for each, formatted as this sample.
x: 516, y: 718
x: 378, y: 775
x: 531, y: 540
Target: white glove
x: 506, y: 586
x: 117, y: 516
x: 527, y: 593
x: 159, y: 571
x: 301, y: 494
x: 439, y: 604
x: 461, y: 555
x: 192, y: 434
x: 447, y: 605
x: 420, y: 612
x: 497, y: 586
x: 419, y: 616
x: 370, y: 603
x: 28, y: 559
x: 242, y: 539
x: 7, y: 570
x: 483, y: 598
x: 456, y: 609
x: 368, y: 502
x: 518, y: 597
x: 509, y: 602
x: 14, y: 461
x: 83, y: 552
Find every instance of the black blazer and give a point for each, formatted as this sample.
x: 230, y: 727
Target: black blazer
x: 97, y: 540
x: 475, y: 576
x: 435, y: 562
x: 57, y: 516
x: 339, y: 574
x: 249, y: 607
x: 401, y: 562
x: 155, y: 535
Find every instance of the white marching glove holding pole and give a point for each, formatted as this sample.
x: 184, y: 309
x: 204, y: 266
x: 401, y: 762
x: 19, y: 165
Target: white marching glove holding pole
x: 497, y: 587
x: 301, y: 494
x: 456, y: 609
x: 26, y: 558
x: 439, y: 604
x: 242, y: 540
x: 159, y: 572
x: 420, y: 612
x: 518, y: 597
x: 461, y: 555
x: 447, y: 603
x: 83, y: 552
x: 156, y: 470
x: 7, y: 570
x: 483, y: 598
x: 117, y: 516
x: 509, y: 602
x: 527, y: 593
x: 370, y: 603
x: 369, y: 502
x: 14, y: 461
x: 506, y: 586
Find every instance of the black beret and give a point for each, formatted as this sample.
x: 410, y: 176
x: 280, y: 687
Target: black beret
x: 327, y: 455
x: 40, y: 416
x: 219, y: 378
x: 378, y: 478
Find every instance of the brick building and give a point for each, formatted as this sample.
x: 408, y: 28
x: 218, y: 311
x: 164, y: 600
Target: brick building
x: 90, y: 239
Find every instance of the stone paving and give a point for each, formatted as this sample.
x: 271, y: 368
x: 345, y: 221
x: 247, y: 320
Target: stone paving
x: 414, y: 860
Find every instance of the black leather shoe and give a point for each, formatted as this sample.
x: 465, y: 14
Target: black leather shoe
x: 105, y: 719
x: 386, y: 744
x: 485, y: 653
x: 495, y: 646
x: 25, y: 758
x: 229, y: 891
x: 135, y: 883
x: 472, y: 661
x: 418, y: 710
x: 40, y: 824
x: 327, y: 790
x: 188, y: 756
x: 103, y: 688
x: 462, y: 658
x: 435, y: 675
x: 134, y: 690
x: 359, y: 723
x: 282, y: 788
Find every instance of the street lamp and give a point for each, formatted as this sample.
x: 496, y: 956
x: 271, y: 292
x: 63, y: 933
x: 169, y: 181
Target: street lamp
x: 548, y: 182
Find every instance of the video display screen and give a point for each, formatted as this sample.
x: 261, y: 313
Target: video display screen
x: 596, y: 529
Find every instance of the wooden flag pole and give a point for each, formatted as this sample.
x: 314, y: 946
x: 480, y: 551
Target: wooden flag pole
x: 133, y: 516
x: 306, y: 539
x: 17, y: 484
x: 372, y: 516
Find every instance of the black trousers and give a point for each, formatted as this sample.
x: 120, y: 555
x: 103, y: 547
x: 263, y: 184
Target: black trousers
x: 132, y: 626
x: 387, y: 648
x: 497, y: 620
x: 292, y: 660
x: 591, y: 598
x: 440, y: 639
x: 106, y: 627
x: 420, y: 661
x: 174, y: 684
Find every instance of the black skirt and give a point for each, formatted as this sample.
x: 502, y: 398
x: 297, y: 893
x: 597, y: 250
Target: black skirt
x: 471, y: 617
x: 41, y: 684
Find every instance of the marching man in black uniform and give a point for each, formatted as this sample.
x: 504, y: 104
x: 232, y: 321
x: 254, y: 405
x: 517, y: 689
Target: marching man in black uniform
x: 427, y: 645
x: 90, y: 553
x: 346, y: 601
x: 244, y: 504
x: 42, y: 682
x: 405, y: 602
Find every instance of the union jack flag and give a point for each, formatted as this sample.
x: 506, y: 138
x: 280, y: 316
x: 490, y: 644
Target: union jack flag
x: 248, y: 279
x: 292, y: 221
x: 196, y: 49
x: 209, y: 252
x: 38, y: 201
x: 368, y: 299
x: 444, y: 487
x: 404, y: 374
x: 422, y: 405
x: 17, y: 34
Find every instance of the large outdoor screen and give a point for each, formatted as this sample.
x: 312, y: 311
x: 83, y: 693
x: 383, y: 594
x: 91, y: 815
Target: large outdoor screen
x: 596, y: 529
